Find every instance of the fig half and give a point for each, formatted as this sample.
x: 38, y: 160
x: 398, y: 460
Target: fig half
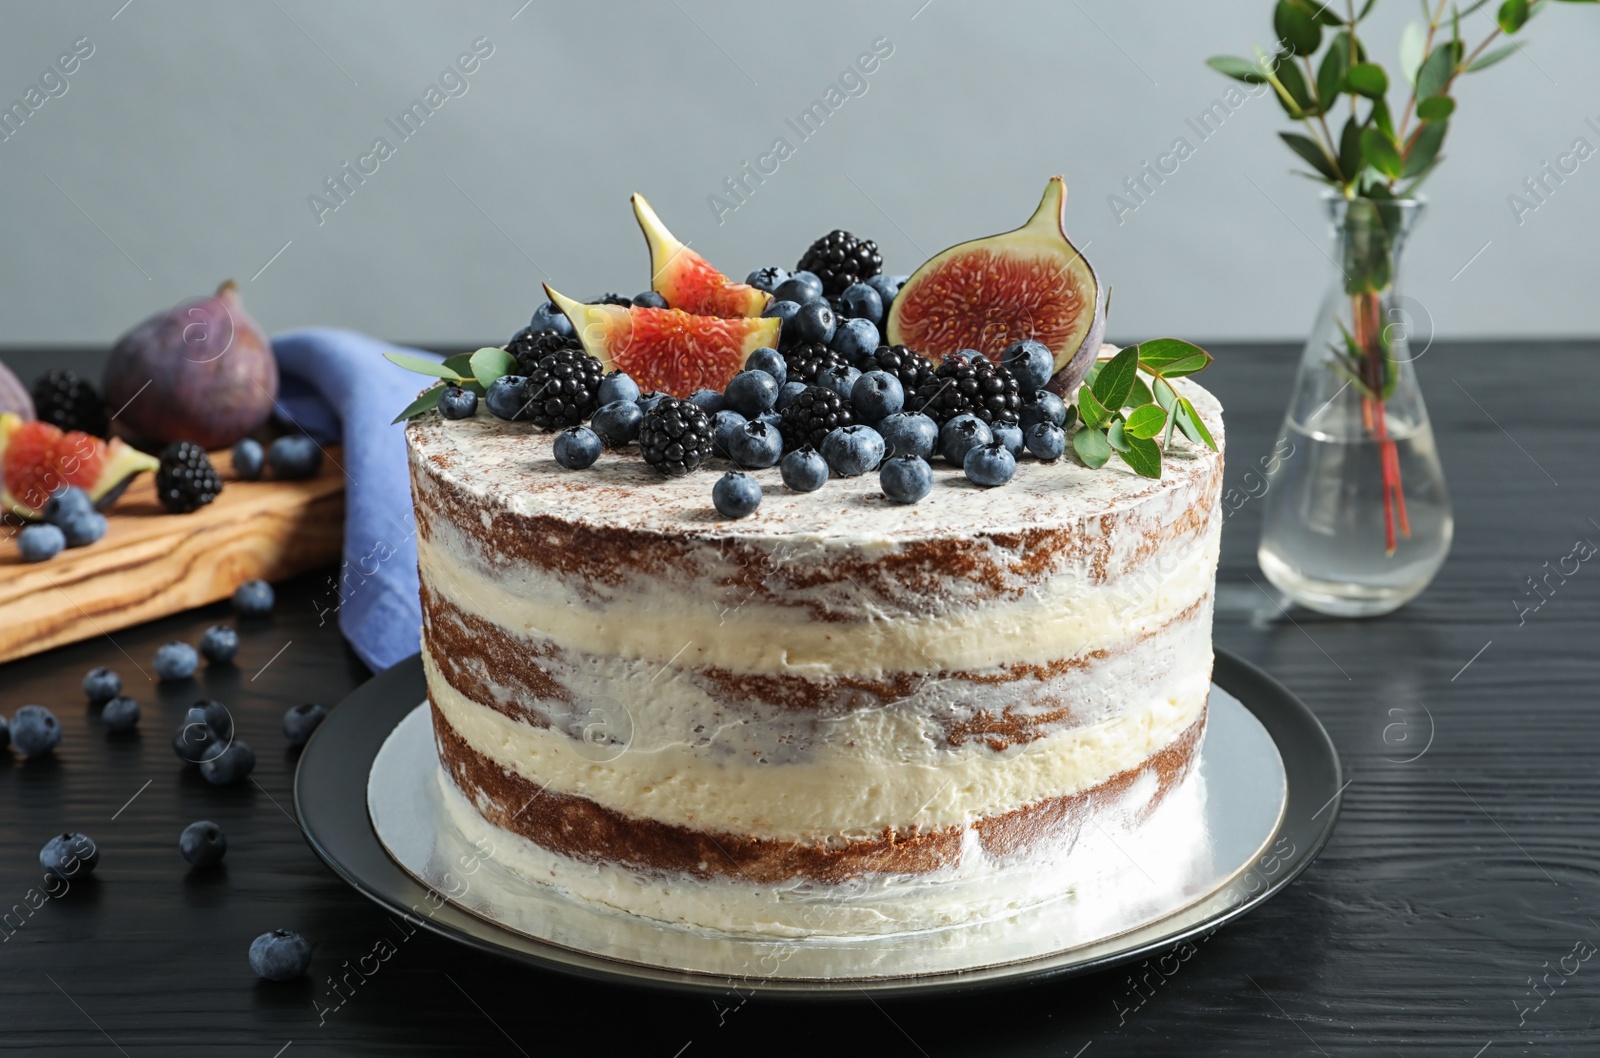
x: 1030, y: 282
x: 687, y: 280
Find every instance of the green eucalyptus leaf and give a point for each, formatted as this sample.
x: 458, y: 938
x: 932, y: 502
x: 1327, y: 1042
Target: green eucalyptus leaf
x: 1116, y: 435
x: 1436, y: 108
x: 1092, y: 447
x: 1489, y: 58
x: 1139, y: 396
x: 461, y: 364
x: 1513, y: 16
x: 422, y: 367
x: 1237, y: 68
x: 1380, y: 152
x: 1307, y: 149
x: 1330, y: 75
x: 1434, y: 74
x: 427, y: 402
x: 1146, y: 421
x: 1171, y: 357
x: 1115, y: 380
x: 1166, y: 397
x: 1094, y: 413
x: 1368, y: 266
x: 1413, y: 39
x: 1426, y: 145
x: 1350, y: 148
x: 490, y: 363
x: 1294, y: 83
x: 1093, y: 373
x: 1368, y: 79
x: 1381, y: 118
x: 1143, y: 456
x: 1189, y: 422
x: 1296, y: 27
x: 1366, y: 9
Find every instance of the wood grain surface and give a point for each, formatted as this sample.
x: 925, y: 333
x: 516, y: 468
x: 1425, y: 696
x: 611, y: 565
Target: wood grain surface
x: 152, y: 563
x: 1463, y: 870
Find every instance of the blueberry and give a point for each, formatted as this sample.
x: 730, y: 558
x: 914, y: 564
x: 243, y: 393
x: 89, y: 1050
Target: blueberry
x: 649, y: 400
x: 81, y: 530
x: 784, y: 311
x: 219, y: 644
x: 1031, y: 363
x: 549, y: 318
x: 66, y: 855
x: 755, y: 445
x: 505, y: 398
x: 176, y: 661
x: 247, y: 459
x: 815, y: 322
x: 906, y: 478
x: 967, y: 354
x: 804, y: 470
x: 708, y: 400
x: 229, y: 766
x: 1010, y: 435
x: 877, y: 395
x: 203, y: 844
x: 800, y: 288
x: 989, y: 465
x: 617, y: 423
x: 767, y: 278
x: 40, y: 543
x: 769, y: 360
x: 859, y: 299
x: 772, y: 419
x: 213, y: 714
x: 736, y: 494
x: 752, y: 392
x: 457, y: 403
x: 842, y: 380
x: 1042, y: 406
x: 856, y: 340
x: 577, y: 447
x: 66, y: 502
x: 101, y: 684
x: 301, y: 720
x: 205, y: 732
x: 788, y: 393
x: 650, y: 300
x: 1046, y: 440
x: 294, y: 457
x: 910, y: 433
x: 253, y: 598
x: 887, y: 287
x: 852, y: 450
x: 281, y: 955
x: 120, y: 714
x: 618, y: 385
x: 723, y: 423
x: 35, y: 731
x: 961, y: 435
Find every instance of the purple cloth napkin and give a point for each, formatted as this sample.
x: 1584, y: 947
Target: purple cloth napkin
x: 337, y: 387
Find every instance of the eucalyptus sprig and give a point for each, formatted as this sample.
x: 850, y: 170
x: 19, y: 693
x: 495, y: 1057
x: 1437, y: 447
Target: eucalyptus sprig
x: 473, y: 371
x: 1372, y: 155
x: 1122, y: 415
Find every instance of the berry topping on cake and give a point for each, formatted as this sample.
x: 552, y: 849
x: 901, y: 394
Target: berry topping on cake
x: 964, y: 386
x: 809, y: 359
x: 906, y: 364
x: 562, y: 388
x: 528, y: 346
x: 675, y: 436
x: 813, y: 415
x: 841, y: 260
x: 186, y: 480
x: 68, y: 402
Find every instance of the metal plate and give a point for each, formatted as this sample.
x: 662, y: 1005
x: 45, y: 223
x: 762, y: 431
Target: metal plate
x: 1271, y: 777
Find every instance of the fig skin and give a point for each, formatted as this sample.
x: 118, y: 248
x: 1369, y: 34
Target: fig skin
x: 14, y: 396
x: 1064, y: 383
x: 212, y: 377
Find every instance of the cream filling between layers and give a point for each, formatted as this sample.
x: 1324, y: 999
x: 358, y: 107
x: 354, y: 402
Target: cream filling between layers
x: 663, y: 621
x: 839, y: 790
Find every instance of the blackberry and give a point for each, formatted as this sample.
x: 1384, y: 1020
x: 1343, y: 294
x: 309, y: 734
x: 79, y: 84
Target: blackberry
x: 813, y: 415
x: 186, y: 480
x: 840, y: 260
x: 976, y: 387
x: 675, y: 437
x: 612, y: 299
x: 563, y: 388
x: 910, y: 367
x: 65, y: 400
x: 530, y: 346
x: 809, y: 359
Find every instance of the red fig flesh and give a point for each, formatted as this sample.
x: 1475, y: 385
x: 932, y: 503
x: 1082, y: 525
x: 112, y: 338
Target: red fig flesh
x: 200, y: 372
x: 37, y: 458
x: 1030, y: 282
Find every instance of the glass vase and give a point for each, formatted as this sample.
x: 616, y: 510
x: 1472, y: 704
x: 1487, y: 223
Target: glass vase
x: 1356, y: 517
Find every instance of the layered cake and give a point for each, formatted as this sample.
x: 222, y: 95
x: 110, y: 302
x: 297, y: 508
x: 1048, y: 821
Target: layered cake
x: 879, y: 710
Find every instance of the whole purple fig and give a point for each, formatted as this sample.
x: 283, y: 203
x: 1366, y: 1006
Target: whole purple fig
x: 13, y: 395
x: 200, y: 372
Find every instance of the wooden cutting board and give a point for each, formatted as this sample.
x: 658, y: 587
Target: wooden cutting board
x: 151, y: 563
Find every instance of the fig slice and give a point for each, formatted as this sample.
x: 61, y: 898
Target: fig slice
x: 37, y: 458
x: 687, y: 280
x: 985, y: 294
x: 667, y: 350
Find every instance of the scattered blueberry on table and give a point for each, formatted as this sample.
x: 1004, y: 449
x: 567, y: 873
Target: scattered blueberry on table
x: 67, y: 855
x: 219, y: 645
x: 253, y: 598
x: 281, y: 955
x: 120, y: 714
x: 35, y: 731
x: 101, y: 684
x: 203, y: 844
x: 234, y: 764
x: 301, y: 720
x: 176, y: 661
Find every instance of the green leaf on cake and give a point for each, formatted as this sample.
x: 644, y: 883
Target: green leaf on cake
x: 1139, y: 396
x: 1116, y: 437
x: 1115, y: 380
x: 1094, y: 413
x: 490, y: 363
x: 461, y: 364
x: 1143, y: 456
x: 1189, y: 422
x: 422, y: 367
x: 427, y: 402
x: 1145, y: 421
x: 1092, y: 447
x: 1171, y: 358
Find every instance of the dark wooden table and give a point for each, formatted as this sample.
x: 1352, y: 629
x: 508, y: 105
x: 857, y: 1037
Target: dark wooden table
x: 1452, y: 914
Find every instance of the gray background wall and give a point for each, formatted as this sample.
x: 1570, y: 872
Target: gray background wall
x: 186, y: 146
